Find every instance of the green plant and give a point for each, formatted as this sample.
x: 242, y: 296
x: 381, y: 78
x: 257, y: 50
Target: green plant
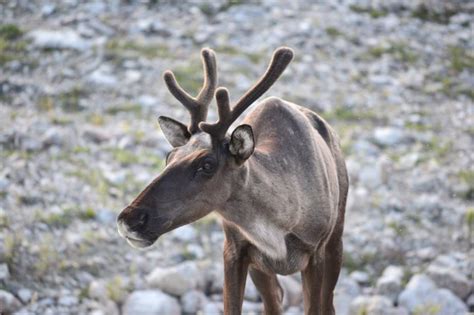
x: 115, y: 289
x: 374, y: 13
x: 10, y: 31
x: 470, y: 225
x: 333, y: 32
x: 467, y: 177
x: 460, y: 59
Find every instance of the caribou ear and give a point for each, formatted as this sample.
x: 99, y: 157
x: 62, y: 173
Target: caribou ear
x: 242, y: 143
x: 175, y: 132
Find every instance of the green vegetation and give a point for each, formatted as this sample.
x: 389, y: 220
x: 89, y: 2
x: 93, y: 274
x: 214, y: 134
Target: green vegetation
x: 189, y: 76
x: 374, y: 13
x: 334, y: 32
x: 423, y: 13
x: 427, y: 309
x: 350, y: 114
x: 470, y: 225
x: 12, y: 46
x: 69, y: 101
x: 115, y: 289
x: 48, y: 257
x: 438, y: 147
x: 399, y: 50
x: 460, y: 59
x: 116, y: 48
x: 233, y: 51
x: 10, y: 31
x: 65, y: 218
x: 467, y: 177
x: 124, y: 108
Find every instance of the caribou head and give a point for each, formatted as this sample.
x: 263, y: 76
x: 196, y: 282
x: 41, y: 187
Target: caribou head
x: 202, y: 169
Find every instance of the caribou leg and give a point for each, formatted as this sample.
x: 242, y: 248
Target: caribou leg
x: 235, y: 274
x: 312, y: 277
x: 270, y: 291
x: 332, y: 268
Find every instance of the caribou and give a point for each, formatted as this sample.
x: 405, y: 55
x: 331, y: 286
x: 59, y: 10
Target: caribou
x: 278, y: 181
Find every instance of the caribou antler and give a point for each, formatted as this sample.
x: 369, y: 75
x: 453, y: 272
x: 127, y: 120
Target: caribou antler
x: 280, y: 60
x: 197, y: 106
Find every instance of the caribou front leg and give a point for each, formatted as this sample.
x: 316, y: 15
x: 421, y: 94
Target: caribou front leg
x: 235, y: 274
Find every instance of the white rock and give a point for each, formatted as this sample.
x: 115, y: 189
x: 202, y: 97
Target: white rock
x: 390, y: 284
x: 193, y: 301
x: 63, y: 39
x: 9, y: 302
x: 98, y: 290
x: 375, y: 305
x: 103, y: 76
x: 25, y: 295
x: 360, y: 277
x: 251, y: 292
x: 292, y: 291
x: 346, y: 291
x: 451, y: 279
x: 176, y: 280
x: 389, y: 136
x: 421, y: 294
x: 151, y: 302
x: 211, y: 308
x: 186, y: 233
x: 4, y: 272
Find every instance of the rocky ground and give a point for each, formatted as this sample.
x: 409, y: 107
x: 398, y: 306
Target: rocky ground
x: 80, y: 90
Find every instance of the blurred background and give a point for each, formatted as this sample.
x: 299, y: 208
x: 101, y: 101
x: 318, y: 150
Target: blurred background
x: 80, y: 91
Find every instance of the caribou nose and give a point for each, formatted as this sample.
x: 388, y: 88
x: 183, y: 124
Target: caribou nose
x: 133, y: 219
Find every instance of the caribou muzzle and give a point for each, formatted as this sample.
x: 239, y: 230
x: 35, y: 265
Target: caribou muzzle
x: 139, y: 228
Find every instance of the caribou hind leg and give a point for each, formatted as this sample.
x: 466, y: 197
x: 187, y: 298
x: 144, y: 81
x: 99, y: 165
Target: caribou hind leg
x: 270, y: 291
x: 312, y: 277
x: 332, y: 268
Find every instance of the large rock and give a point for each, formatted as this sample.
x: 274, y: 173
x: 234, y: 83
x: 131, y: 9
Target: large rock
x: 151, y: 302
x: 8, y: 302
x: 422, y: 295
x: 176, y: 280
x: 292, y: 291
x: 450, y: 279
x: 58, y: 39
x: 390, y: 283
x: 375, y: 305
x: 193, y: 301
x: 346, y: 291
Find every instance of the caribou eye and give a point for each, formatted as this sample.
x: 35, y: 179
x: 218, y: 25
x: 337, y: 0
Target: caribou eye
x: 207, y: 166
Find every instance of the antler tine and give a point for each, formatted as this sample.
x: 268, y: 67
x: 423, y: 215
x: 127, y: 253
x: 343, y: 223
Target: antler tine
x: 280, y: 60
x: 199, y: 105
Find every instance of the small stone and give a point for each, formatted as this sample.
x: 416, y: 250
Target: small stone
x: 186, y: 233
x: 451, y: 279
x: 292, y: 291
x: 9, y: 302
x: 421, y: 294
x: 98, y: 290
x: 25, y: 295
x: 360, y: 277
x: 176, y: 280
x: 211, y: 308
x: 389, y: 136
x: 68, y: 300
x: 390, y: 284
x: 151, y: 302
x: 63, y: 39
x: 4, y: 272
x: 193, y: 301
